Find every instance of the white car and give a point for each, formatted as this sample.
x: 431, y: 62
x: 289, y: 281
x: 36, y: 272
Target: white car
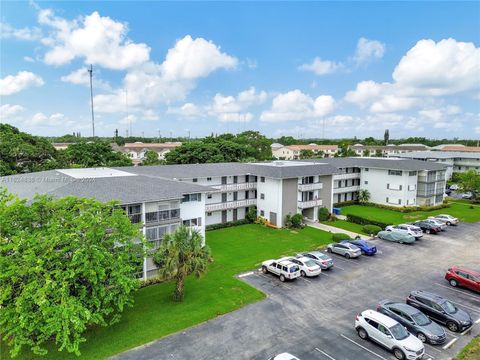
x: 284, y: 356
x: 454, y: 187
x: 308, y: 267
x: 389, y: 333
x: 445, y: 218
x: 468, y: 195
x: 413, y: 230
x: 438, y: 223
x: 285, y: 269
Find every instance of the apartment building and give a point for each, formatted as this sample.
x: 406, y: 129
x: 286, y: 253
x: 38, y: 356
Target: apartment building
x: 136, y: 151
x: 293, y: 152
x: 388, y: 150
x: 455, y: 161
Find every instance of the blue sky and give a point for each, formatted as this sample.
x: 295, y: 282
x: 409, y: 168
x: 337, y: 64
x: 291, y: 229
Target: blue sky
x: 308, y: 69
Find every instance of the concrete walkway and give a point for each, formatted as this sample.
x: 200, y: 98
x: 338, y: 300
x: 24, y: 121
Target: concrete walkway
x: 334, y: 229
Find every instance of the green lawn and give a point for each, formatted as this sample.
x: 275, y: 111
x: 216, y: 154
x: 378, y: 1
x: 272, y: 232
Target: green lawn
x: 345, y: 225
x: 458, y: 209
x: 154, y: 315
x: 471, y: 351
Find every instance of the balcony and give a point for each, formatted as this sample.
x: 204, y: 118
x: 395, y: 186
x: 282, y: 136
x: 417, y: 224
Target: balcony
x: 346, y: 176
x: 309, y: 203
x: 135, y: 218
x: 236, y: 187
x: 230, y: 205
x: 164, y: 215
x: 346, y: 189
x: 310, y: 187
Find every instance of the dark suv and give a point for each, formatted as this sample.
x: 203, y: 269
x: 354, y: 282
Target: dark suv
x: 440, y: 310
x: 428, y: 227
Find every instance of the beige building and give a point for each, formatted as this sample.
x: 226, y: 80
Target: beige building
x: 136, y: 151
x: 292, y: 152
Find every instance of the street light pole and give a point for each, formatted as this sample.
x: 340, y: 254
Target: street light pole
x: 91, y: 98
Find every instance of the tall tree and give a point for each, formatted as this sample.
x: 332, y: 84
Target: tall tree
x: 469, y: 181
x: 151, y: 158
x: 257, y: 145
x: 364, y: 196
x: 22, y: 153
x: 386, y: 137
x: 66, y: 265
x: 180, y: 255
x: 94, y: 153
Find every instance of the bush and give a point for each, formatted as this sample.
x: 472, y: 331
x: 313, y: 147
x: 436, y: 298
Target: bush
x: 371, y: 229
x: 345, y: 203
x: 294, y: 221
x: 337, y: 237
x: 407, y: 209
x: 227, y: 224
x: 251, y: 215
x: 364, y: 221
x: 323, y: 214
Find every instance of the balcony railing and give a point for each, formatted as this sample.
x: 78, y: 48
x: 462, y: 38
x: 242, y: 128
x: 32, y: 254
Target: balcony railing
x: 135, y: 218
x: 236, y: 187
x: 346, y: 176
x: 346, y: 189
x: 310, y: 187
x: 163, y: 215
x: 309, y: 203
x: 230, y: 205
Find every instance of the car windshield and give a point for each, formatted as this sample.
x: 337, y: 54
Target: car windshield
x: 322, y: 256
x: 399, y: 332
x: 449, y: 307
x: 421, y: 319
x: 310, y: 263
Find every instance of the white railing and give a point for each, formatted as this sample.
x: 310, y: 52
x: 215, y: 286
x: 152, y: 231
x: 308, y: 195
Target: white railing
x: 310, y: 187
x: 346, y: 176
x: 309, y: 204
x: 230, y: 205
x: 236, y: 187
x: 346, y: 189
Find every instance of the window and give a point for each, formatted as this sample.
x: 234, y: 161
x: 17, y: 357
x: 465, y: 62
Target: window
x: 386, y: 199
x: 209, y: 214
x: 262, y: 213
x: 366, y: 182
x: 262, y: 196
x: 262, y: 179
x: 191, y: 197
x: 209, y: 196
x: 235, y: 196
x: 395, y: 172
x: 209, y: 179
x: 195, y: 179
x: 399, y: 201
x: 366, y: 169
x: 235, y: 179
x: 412, y: 173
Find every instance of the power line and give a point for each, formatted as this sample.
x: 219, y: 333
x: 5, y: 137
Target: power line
x: 91, y: 98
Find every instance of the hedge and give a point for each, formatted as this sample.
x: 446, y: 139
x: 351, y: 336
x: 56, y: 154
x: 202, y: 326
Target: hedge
x: 345, y: 203
x: 323, y: 214
x: 364, y: 221
x: 407, y: 209
x: 227, y: 224
x: 371, y: 229
x: 337, y: 237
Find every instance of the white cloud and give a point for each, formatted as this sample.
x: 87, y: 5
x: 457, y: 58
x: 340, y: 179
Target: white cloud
x: 321, y: 67
x: 130, y: 119
x: 56, y: 119
x: 429, y: 70
x: 187, y: 110
x: 8, y: 111
x: 28, y: 59
x: 235, y: 117
x: 16, y: 83
x: 28, y: 34
x: 96, y: 39
x: 295, y: 105
x: 150, y: 115
x: 368, y: 50
x: 191, y: 59
x: 82, y: 77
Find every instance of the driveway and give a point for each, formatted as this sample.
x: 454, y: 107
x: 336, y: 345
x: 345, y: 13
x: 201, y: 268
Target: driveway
x: 313, y: 318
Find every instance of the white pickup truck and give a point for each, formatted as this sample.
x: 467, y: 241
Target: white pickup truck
x: 285, y: 269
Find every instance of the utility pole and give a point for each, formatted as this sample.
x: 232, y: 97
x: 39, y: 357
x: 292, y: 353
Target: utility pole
x: 91, y: 98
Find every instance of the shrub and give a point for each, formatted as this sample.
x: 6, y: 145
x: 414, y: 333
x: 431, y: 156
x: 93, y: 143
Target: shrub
x: 323, y: 214
x: 294, y: 221
x: 227, y: 224
x: 345, y: 203
x: 251, y: 215
x: 407, y: 209
x: 337, y: 237
x: 371, y: 229
x: 364, y: 221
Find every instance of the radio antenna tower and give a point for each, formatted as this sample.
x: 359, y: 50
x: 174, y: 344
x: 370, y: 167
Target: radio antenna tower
x: 90, y: 71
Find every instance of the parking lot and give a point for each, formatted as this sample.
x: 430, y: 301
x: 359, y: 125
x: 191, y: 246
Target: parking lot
x: 313, y: 318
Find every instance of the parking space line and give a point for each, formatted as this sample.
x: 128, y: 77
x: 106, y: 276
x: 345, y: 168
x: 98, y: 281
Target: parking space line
x: 336, y: 266
x: 450, y: 343
x: 351, y: 261
x: 246, y: 274
x: 324, y: 353
x: 460, y: 291
x: 323, y: 273
x: 465, y: 306
x: 466, y: 330
x: 451, y: 333
x: 301, y: 277
x: 429, y: 356
x: 478, y: 321
x: 363, y: 347
x: 431, y: 347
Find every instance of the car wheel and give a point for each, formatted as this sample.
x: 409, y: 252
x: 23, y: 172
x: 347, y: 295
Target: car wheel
x: 427, y: 231
x: 347, y: 255
x: 452, y: 326
x: 449, y: 223
x: 264, y: 269
x: 453, y: 282
x: 329, y: 250
x: 303, y: 273
x: 422, y: 337
x: 400, y: 242
x: 362, y: 333
x: 398, y: 354
x: 282, y: 278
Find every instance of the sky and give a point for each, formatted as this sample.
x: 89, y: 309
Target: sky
x: 302, y: 69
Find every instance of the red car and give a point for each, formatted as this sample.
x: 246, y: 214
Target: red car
x: 460, y: 276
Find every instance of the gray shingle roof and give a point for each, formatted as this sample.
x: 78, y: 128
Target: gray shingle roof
x: 383, y: 163
x: 440, y: 155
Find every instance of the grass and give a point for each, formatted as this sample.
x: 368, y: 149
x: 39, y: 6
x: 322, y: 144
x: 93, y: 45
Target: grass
x: 346, y: 225
x: 154, y: 315
x: 471, y: 351
x: 458, y: 209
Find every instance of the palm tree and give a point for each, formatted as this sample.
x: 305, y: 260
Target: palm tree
x: 180, y: 255
x: 363, y: 196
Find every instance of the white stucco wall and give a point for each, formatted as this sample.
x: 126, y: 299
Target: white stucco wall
x: 272, y: 188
